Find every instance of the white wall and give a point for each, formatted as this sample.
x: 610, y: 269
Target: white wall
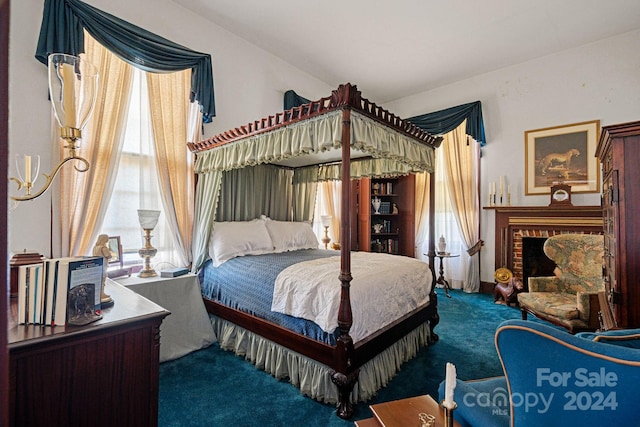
x: 599, y: 81
x: 596, y: 81
x: 249, y: 84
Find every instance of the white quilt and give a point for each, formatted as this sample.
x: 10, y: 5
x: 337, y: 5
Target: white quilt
x: 384, y: 288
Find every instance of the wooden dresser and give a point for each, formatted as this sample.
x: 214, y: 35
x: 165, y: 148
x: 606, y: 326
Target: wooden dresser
x: 102, y: 374
x: 619, y: 152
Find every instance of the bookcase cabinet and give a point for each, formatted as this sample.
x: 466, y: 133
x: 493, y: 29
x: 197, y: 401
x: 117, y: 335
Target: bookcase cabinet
x: 392, y: 228
x: 102, y: 374
x: 619, y: 152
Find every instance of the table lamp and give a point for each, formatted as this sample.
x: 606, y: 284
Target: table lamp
x: 148, y: 220
x: 326, y: 222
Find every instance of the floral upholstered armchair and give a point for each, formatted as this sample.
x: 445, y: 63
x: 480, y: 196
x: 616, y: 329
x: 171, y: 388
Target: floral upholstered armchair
x: 568, y: 299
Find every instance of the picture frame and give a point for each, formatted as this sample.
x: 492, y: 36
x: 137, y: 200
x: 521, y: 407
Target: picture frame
x: 116, y: 251
x: 562, y: 155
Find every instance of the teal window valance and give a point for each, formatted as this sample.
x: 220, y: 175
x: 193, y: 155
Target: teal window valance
x: 292, y: 99
x: 63, y: 23
x: 444, y: 121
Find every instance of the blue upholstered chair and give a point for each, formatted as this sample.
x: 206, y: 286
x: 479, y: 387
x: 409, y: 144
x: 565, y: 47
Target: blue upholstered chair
x: 553, y: 378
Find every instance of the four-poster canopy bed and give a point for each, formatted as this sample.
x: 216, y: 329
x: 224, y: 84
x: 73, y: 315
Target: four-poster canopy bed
x: 343, y: 136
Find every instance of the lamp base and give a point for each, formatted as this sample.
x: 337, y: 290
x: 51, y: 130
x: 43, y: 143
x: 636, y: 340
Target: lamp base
x: 147, y: 253
x: 106, y: 302
x: 147, y: 272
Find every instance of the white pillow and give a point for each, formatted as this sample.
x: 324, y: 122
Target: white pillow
x: 291, y: 236
x: 238, y: 238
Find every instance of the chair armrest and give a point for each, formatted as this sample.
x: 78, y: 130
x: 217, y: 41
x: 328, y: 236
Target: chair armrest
x: 584, y: 302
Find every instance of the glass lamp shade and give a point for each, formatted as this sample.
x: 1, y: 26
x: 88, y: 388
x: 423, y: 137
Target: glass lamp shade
x: 73, y: 84
x: 325, y: 220
x: 148, y: 218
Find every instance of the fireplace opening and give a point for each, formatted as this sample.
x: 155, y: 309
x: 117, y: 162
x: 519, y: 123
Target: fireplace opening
x: 534, y: 262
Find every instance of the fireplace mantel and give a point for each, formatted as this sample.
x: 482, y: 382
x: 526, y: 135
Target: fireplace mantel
x: 515, y: 222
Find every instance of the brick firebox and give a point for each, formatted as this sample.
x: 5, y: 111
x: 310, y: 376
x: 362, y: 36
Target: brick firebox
x: 515, y: 223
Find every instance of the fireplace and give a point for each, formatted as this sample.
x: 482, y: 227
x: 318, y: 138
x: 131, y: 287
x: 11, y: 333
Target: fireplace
x: 535, y: 262
x: 519, y: 227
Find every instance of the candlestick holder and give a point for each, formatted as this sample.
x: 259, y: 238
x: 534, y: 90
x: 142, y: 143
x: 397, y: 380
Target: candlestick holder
x: 448, y: 413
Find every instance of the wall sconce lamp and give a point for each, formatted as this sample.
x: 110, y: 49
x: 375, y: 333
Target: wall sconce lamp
x: 326, y: 222
x: 73, y: 84
x: 148, y: 220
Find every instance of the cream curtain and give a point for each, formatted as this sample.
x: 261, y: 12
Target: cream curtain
x: 170, y: 110
x: 329, y: 197
x: 421, y: 213
x: 84, y: 196
x: 461, y: 171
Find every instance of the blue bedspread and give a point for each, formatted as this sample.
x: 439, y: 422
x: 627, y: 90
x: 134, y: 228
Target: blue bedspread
x: 246, y: 283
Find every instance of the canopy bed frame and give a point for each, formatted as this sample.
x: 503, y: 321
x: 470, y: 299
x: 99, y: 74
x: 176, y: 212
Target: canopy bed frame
x: 345, y: 358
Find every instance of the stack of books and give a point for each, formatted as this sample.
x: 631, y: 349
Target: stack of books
x: 385, y: 208
x: 60, y: 291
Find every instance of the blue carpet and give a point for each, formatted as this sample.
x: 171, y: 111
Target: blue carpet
x: 212, y: 387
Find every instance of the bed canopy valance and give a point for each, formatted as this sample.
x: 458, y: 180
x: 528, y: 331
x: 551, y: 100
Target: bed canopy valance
x: 378, y: 144
x: 381, y: 151
x: 343, y: 136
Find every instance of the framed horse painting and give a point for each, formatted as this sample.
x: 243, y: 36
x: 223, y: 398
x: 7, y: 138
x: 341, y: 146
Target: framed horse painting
x: 562, y: 155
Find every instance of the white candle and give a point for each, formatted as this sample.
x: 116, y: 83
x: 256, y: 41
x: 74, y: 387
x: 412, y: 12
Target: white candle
x: 501, y: 184
x: 27, y: 169
x: 493, y: 187
x: 449, y: 385
x: 509, y: 189
x: 69, y: 96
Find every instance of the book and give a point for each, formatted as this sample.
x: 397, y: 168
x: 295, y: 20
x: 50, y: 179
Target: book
x: 84, y: 285
x: 406, y: 412
x: 35, y: 293
x: 57, y: 309
x: 174, y: 272
x: 50, y: 272
x: 29, y: 293
x: 60, y: 293
x: 24, y: 273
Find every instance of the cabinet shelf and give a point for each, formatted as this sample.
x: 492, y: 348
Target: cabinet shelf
x: 396, y: 216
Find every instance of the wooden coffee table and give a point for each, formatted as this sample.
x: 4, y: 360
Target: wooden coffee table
x: 404, y: 412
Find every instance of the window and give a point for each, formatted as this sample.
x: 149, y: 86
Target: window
x: 136, y: 185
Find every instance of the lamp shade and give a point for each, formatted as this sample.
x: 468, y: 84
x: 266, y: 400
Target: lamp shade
x: 73, y: 84
x: 148, y: 218
x: 326, y: 220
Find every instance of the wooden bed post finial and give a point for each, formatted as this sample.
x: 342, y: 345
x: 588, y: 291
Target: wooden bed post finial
x: 346, y: 94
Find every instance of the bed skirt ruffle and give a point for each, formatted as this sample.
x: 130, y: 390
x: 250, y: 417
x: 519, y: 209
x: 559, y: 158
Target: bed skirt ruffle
x: 313, y: 378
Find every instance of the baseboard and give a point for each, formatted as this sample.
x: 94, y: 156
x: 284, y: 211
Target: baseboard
x: 487, y: 287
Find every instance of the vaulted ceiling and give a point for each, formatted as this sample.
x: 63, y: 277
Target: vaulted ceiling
x: 392, y: 49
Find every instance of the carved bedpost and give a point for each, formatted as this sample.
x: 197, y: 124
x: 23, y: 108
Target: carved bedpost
x: 344, y: 376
